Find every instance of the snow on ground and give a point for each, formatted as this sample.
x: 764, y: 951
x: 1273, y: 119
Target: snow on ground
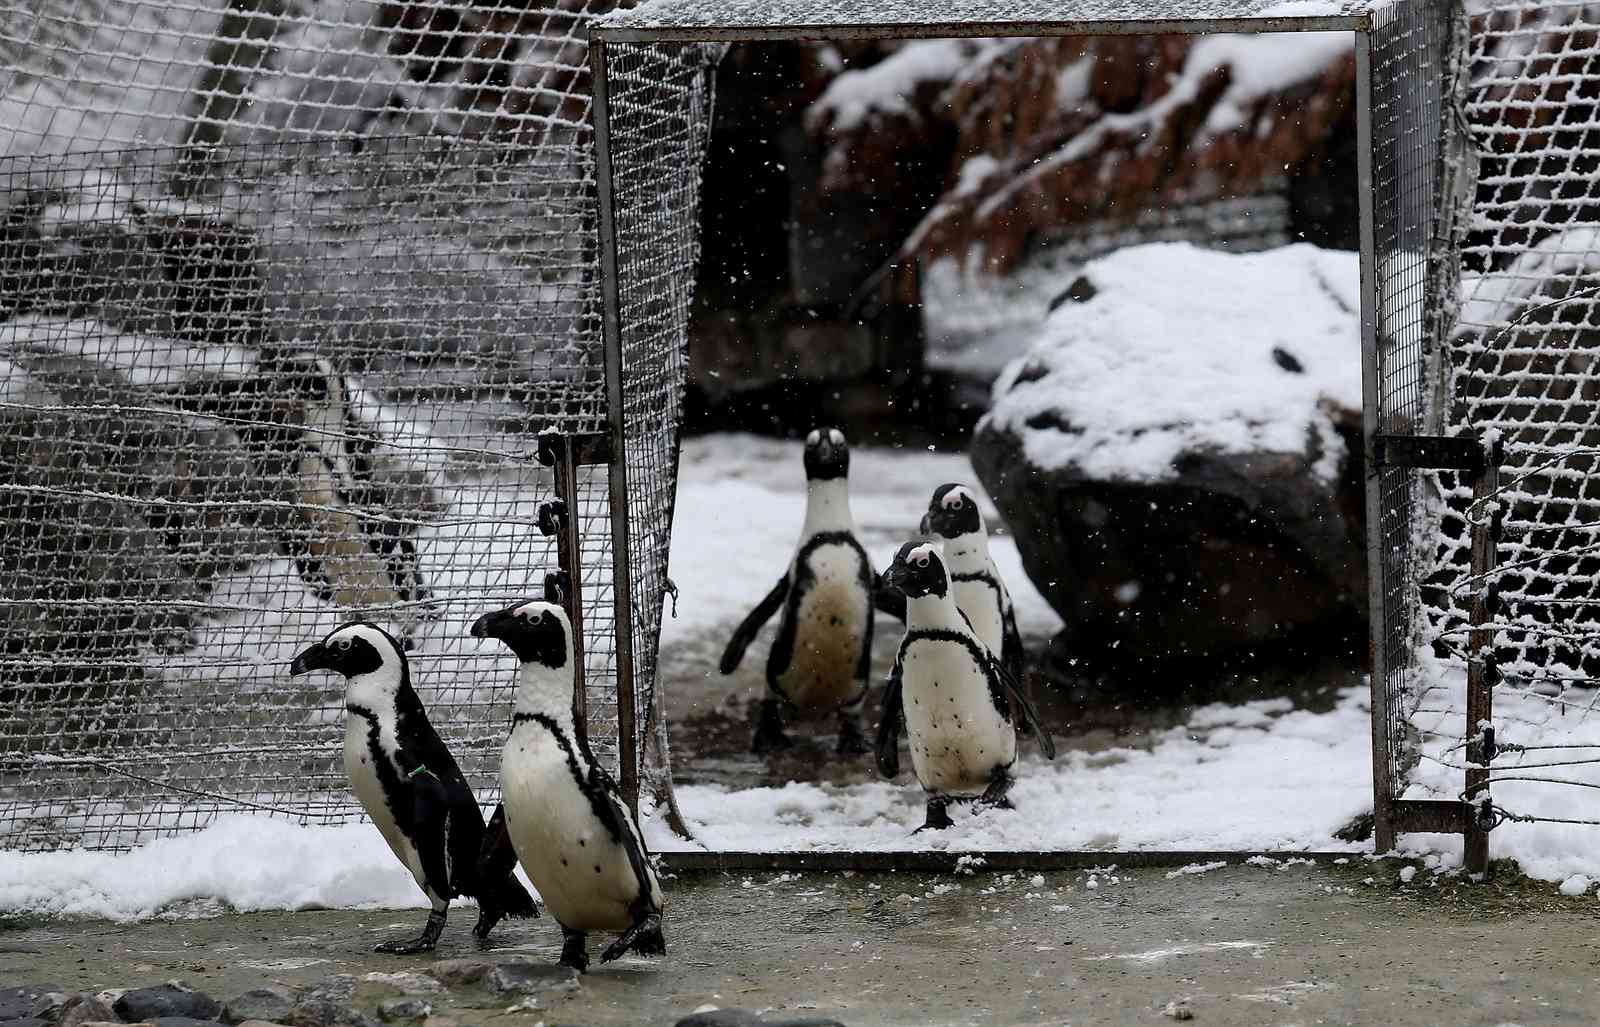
x: 1257, y: 776
x: 1219, y: 338
x: 247, y: 862
x: 1569, y: 723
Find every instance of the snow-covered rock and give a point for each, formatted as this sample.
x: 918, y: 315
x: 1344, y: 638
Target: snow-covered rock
x: 1178, y: 455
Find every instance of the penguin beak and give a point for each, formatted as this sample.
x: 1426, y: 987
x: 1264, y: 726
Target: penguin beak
x: 893, y: 578
x: 314, y: 658
x: 487, y: 625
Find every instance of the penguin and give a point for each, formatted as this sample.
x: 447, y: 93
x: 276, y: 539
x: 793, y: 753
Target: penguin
x: 820, y: 660
x: 409, y: 783
x: 565, y: 820
x: 958, y: 703
x: 343, y: 553
x: 981, y: 595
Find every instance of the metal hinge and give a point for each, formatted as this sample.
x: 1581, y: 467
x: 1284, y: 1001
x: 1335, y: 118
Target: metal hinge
x: 1429, y: 452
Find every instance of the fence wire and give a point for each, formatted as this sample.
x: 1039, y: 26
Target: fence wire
x: 287, y: 291
x: 1522, y: 369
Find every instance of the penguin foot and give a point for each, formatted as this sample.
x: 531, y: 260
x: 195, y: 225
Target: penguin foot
x: 769, y: 736
x: 643, y: 937
x: 851, y: 741
x: 575, y: 950
x: 938, y: 816
x: 424, y: 942
x: 994, y: 796
x: 487, y: 918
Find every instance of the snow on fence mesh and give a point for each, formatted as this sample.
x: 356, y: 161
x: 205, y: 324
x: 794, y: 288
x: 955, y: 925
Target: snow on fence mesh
x: 288, y: 291
x: 1523, y: 369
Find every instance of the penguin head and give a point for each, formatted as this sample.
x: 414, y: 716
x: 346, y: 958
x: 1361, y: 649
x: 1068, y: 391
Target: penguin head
x: 537, y: 631
x: 359, y: 649
x: 827, y: 455
x: 918, y: 570
x: 952, y: 512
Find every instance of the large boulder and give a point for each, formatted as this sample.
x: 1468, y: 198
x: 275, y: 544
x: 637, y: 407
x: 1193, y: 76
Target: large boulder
x: 1179, y: 454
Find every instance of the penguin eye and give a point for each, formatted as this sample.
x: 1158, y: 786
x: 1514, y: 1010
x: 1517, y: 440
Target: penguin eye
x: 922, y: 561
x: 342, y: 645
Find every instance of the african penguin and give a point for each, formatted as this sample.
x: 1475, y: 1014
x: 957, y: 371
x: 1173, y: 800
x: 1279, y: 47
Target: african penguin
x: 981, y: 595
x: 820, y: 659
x: 345, y: 554
x: 564, y: 817
x: 959, y: 705
x: 409, y: 783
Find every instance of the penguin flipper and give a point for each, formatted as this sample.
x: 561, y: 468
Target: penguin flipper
x: 498, y: 891
x: 890, y: 722
x: 431, y: 827
x: 751, y: 626
x: 1012, y: 693
x: 618, y: 821
x: 1011, y: 651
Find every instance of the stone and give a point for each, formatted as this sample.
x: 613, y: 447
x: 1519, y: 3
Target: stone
x: 18, y: 1003
x: 721, y: 1018
x: 327, y: 1005
x: 184, y: 1021
x: 805, y: 1022
x: 407, y: 982
x: 52, y: 1005
x: 270, y: 1003
x: 260, y: 1023
x: 454, y: 973
x: 26, y: 1021
x: 82, y: 1009
x: 399, y: 1009
x: 531, y: 978
x: 167, y: 1000
x: 1196, y: 501
x: 1177, y: 1011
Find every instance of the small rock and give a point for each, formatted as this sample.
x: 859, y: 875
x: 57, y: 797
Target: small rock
x: 808, y: 1022
x: 396, y: 1009
x: 1178, y: 1011
x: 18, y: 1003
x: 319, y: 1010
x: 441, y: 1021
x: 410, y: 983
x: 530, y: 978
x: 270, y: 1003
x: 167, y: 1000
x: 184, y: 1021
x: 721, y: 1018
x: 26, y: 1021
x: 82, y: 1009
x: 261, y: 1023
x: 52, y: 1004
x: 1286, y: 360
x: 457, y: 972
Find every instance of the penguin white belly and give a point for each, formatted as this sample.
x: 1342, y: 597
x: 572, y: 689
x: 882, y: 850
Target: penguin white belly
x: 369, y: 790
x: 829, y: 633
x: 957, y: 736
x: 982, y: 608
x: 583, y: 875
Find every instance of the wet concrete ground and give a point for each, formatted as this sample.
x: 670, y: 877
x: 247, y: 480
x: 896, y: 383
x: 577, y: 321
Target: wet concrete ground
x: 1241, y: 945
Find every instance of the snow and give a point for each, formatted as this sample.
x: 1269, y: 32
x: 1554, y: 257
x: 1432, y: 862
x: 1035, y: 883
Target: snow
x: 1257, y: 781
x: 824, y: 13
x: 1498, y: 297
x: 1545, y: 851
x: 240, y: 861
x: 886, y: 87
x: 1174, y: 354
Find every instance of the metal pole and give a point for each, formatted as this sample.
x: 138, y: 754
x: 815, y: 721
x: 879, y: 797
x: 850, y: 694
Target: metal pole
x: 1480, y: 655
x: 563, y: 461
x: 1371, y: 401
x: 611, y: 321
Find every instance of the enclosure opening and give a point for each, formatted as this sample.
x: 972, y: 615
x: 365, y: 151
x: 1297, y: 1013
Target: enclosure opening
x: 1186, y: 354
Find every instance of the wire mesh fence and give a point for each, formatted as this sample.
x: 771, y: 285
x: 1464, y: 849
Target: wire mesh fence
x: 288, y: 292
x: 1521, y: 371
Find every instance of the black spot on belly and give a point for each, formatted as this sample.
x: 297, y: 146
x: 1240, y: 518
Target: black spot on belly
x: 582, y: 842
x: 563, y: 861
x: 597, y: 868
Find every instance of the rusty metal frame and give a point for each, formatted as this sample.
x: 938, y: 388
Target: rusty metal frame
x: 1391, y: 814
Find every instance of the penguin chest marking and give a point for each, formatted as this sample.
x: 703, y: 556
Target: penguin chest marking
x: 584, y: 875
x: 361, y: 758
x: 980, y: 601
x: 957, y: 736
x: 829, y: 629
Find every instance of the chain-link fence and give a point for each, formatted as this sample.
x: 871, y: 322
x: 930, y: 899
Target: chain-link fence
x: 1523, y: 374
x: 289, y: 291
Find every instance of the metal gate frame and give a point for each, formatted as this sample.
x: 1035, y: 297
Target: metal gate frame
x: 1406, y: 54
